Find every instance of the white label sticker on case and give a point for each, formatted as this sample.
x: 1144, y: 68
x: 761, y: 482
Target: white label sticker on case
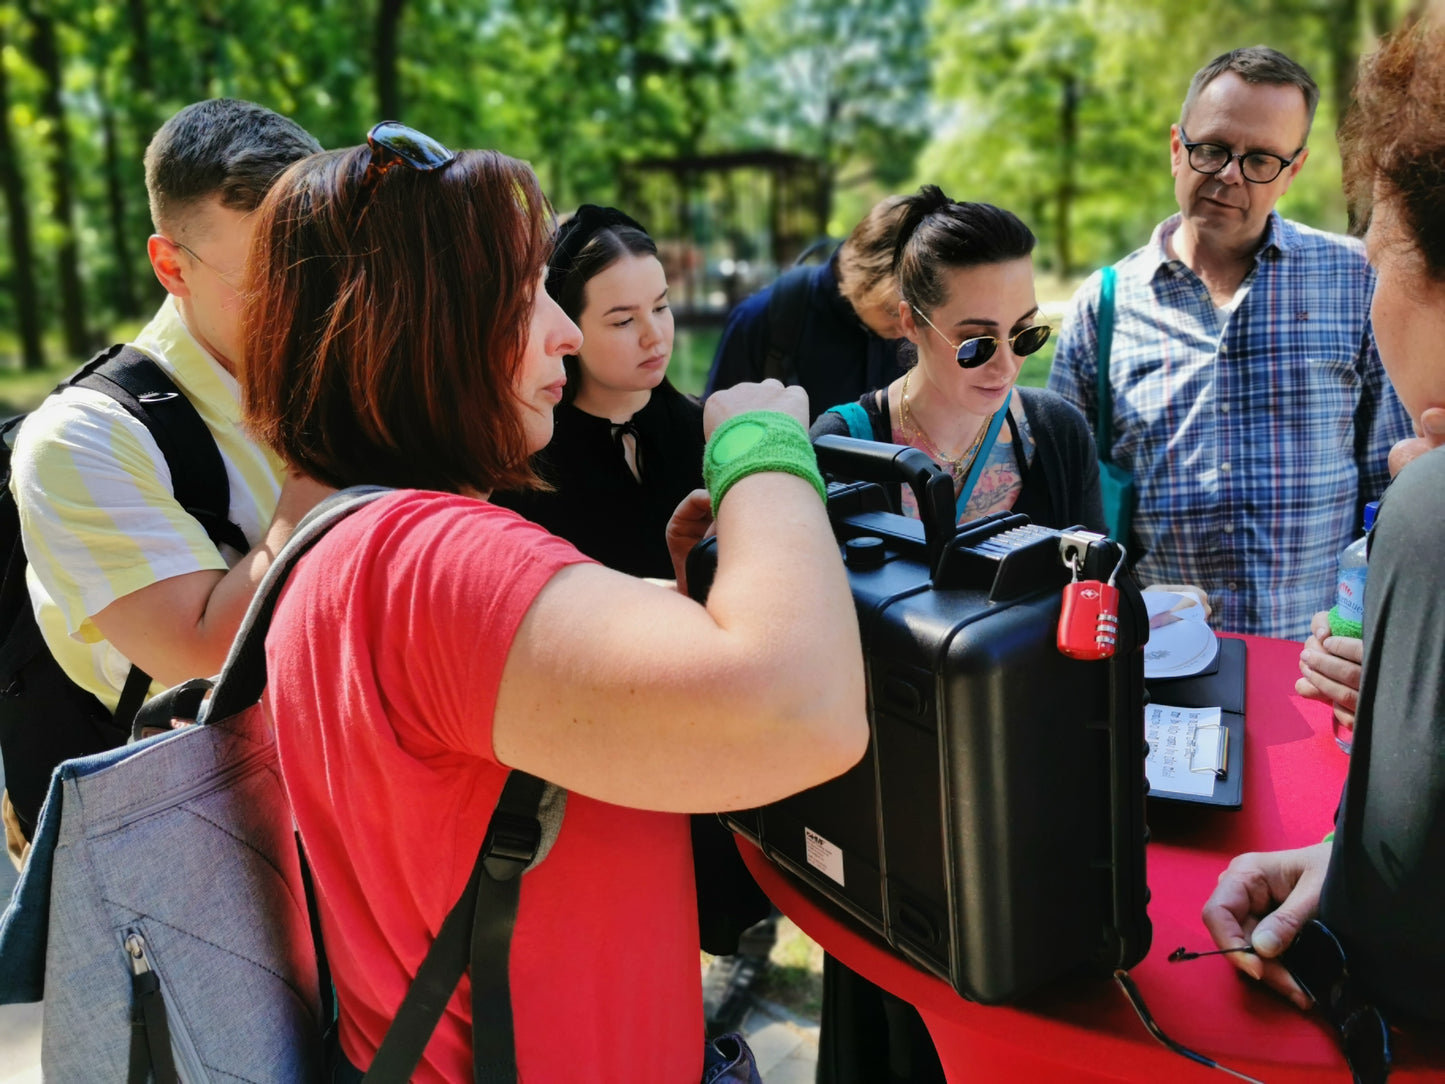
x: 823, y: 855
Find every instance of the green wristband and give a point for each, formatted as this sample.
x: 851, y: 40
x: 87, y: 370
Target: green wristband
x: 1343, y: 626
x: 761, y: 440
x: 1329, y: 838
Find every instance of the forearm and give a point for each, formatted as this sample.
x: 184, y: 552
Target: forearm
x: 781, y: 598
x: 182, y: 627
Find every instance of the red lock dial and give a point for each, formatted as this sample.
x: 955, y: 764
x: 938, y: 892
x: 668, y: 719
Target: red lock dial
x: 1089, y: 621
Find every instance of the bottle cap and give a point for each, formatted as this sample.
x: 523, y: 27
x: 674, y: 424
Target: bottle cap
x: 1370, y: 509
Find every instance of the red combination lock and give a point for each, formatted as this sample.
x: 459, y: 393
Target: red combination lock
x: 1089, y: 621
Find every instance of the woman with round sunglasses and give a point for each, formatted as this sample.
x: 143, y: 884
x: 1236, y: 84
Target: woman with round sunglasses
x: 965, y: 273
x: 966, y: 276
x: 398, y: 333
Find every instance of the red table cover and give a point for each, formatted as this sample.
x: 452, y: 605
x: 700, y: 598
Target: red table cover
x: 1084, y: 1030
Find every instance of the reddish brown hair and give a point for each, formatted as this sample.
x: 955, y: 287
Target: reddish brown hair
x: 384, y: 326
x: 1393, y: 138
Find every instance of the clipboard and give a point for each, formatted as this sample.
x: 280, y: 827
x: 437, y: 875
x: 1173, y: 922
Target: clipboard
x: 1223, y: 688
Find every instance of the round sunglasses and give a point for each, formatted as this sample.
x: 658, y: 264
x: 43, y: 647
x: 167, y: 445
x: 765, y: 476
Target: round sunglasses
x: 971, y: 353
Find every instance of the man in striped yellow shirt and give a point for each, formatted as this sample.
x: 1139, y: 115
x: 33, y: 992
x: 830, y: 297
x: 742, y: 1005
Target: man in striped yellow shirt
x: 119, y: 572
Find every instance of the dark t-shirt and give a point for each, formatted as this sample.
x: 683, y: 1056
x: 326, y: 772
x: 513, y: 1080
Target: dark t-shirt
x: 597, y: 504
x: 1384, y: 896
x: 837, y: 357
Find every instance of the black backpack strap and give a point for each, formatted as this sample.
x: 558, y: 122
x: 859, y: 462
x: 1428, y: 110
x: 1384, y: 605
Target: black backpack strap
x: 198, y: 474
x: 787, y: 312
x: 483, y: 919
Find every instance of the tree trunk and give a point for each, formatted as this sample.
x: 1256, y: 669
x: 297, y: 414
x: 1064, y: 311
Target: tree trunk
x: 388, y: 93
x: 1068, y: 162
x: 1344, y: 64
x: 22, y: 252
x: 123, y: 295
x: 46, y: 54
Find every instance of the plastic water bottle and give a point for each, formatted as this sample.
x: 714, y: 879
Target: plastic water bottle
x: 1348, y: 614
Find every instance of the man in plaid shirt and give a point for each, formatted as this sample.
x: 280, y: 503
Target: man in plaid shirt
x: 1248, y: 399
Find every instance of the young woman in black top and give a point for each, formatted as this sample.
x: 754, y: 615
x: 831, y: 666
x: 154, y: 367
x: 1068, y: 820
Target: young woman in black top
x: 626, y: 445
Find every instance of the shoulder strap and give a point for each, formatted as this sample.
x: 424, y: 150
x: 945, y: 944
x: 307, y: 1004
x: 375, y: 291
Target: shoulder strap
x: 980, y: 459
x: 198, y: 474
x: 243, y: 676
x: 860, y: 426
x: 476, y: 932
x: 787, y: 311
x: 1104, y: 419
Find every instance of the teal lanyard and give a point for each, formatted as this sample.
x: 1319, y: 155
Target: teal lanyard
x: 981, y: 459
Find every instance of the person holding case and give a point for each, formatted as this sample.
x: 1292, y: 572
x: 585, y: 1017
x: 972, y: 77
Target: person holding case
x: 398, y: 332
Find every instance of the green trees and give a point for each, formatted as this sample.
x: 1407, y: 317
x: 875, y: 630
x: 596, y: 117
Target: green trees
x: 1057, y: 108
x: 1060, y: 109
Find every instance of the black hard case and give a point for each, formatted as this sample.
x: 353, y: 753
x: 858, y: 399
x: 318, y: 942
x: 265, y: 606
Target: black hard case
x: 994, y: 832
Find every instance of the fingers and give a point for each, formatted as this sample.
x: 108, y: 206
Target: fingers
x: 742, y: 398
x: 1262, y: 900
x: 689, y: 525
x: 1330, y: 667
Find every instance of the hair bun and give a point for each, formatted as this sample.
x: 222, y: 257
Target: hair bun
x: 572, y: 236
x: 928, y: 200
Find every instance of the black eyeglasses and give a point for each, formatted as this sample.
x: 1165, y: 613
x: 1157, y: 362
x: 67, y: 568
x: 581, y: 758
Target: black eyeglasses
x: 1136, y: 1001
x: 1256, y: 167
x: 394, y: 144
x: 971, y: 353
x: 1316, y: 960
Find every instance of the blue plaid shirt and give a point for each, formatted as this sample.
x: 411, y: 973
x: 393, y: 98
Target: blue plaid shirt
x: 1255, y: 435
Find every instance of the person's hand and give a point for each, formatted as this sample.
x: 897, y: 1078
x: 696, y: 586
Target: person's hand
x: 1263, y: 899
x: 742, y: 398
x: 1429, y: 434
x: 691, y: 522
x: 1198, y: 593
x: 1330, y: 669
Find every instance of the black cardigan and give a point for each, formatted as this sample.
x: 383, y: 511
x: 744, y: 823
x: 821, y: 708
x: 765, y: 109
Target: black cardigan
x: 1061, y: 485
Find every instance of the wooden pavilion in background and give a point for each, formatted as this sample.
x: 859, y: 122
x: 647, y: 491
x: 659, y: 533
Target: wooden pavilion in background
x: 725, y: 224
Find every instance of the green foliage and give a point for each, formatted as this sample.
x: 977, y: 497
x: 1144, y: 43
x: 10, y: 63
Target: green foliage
x: 1005, y: 71
x: 1059, y: 109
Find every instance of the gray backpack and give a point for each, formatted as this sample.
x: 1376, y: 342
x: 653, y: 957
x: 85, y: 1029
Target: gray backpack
x: 163, y: 915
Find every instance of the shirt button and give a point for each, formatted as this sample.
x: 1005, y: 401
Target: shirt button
x: 1233, y: 586
x: 1224, y: 408
x: 1229, y: 528
x: 1224, y: 467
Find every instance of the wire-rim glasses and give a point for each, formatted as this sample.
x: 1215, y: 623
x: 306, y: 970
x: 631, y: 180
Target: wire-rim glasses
x: 1256, y: 167
x: 971, y: 353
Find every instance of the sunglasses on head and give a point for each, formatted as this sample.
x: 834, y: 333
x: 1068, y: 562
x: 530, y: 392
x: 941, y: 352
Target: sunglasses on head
x: 394, y: 144
x: 971, y: 353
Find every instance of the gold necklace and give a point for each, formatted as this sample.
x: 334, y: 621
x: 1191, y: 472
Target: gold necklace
x: 956, y: 466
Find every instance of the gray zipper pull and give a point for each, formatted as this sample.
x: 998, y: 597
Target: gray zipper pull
x: 135, y: 948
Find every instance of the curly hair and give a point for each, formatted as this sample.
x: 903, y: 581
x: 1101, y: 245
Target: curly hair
x: 1393, y: 137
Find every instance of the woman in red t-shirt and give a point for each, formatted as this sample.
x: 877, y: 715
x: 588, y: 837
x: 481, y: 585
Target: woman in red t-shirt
x: 397, y: 333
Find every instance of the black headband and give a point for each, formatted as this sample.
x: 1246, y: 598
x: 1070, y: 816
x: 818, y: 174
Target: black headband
x: 572, y: 236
